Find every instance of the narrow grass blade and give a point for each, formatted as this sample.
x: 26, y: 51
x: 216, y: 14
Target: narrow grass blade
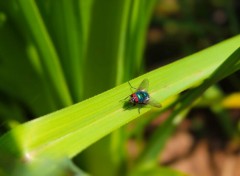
x: 17, y: 73
x: 64, y: 23
x: 70, y: 130
x: 160, y: 136
x: 48, y: 55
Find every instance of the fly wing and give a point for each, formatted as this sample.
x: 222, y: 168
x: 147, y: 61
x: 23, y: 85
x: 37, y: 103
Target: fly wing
x: 154, y: 103
x: 144, y: 85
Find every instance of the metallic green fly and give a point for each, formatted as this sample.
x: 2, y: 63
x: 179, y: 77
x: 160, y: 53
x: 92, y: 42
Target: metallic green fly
x: 141, y: 96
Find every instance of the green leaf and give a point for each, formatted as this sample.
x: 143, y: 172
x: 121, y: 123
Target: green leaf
x: 158, y: 171
x: 64, y: 23
x: 46, y: 166
x: 17, y: 73
x: 163, y: 132
x: 106, y: 44
x: 69, y: 131
x: 49, y: 58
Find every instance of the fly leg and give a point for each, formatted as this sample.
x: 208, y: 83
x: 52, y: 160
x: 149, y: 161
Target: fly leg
x: 124, y: 99
x: 139, y: 107
x: 131, y: 87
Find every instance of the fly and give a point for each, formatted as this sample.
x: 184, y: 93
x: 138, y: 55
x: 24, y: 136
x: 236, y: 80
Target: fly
x: 141, y: 96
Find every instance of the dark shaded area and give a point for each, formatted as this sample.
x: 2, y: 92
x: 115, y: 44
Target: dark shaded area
x: 129, y: 106
x: 181, y: 28
x: 205, y: 124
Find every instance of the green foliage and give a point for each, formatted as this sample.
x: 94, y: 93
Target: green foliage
x: 56, y: 53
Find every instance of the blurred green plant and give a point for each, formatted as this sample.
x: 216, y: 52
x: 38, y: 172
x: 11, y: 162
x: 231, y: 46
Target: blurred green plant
x: 56, y: 53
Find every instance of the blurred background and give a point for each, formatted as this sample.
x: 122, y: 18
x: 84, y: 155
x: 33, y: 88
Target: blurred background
x: 180, y: 28
x: 201, y: 145
x: 80, y: 49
